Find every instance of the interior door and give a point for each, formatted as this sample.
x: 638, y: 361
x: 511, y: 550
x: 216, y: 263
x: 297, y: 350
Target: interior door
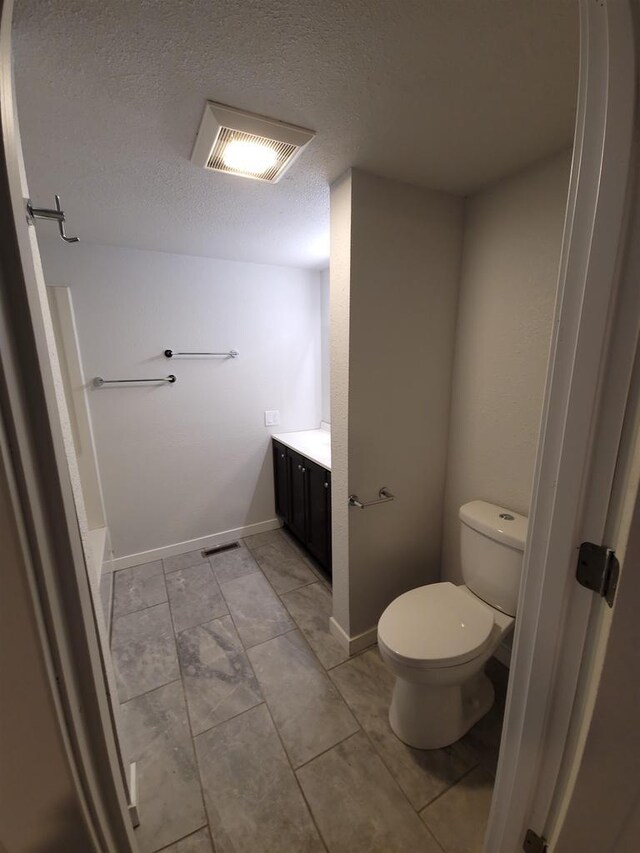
x: 591, y: 358
x: 37, y: 421
x: 603, y: 811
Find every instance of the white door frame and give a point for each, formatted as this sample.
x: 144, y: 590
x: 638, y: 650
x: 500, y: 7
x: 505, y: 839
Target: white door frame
x: 566, y: 508
x: 36, y: 421
x: 592, y: 352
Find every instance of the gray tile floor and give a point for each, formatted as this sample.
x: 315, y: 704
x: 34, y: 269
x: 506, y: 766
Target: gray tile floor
x: 253, y: 730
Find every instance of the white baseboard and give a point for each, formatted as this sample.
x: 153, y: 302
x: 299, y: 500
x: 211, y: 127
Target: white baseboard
x: 352, y: 645
x: 202, y: 542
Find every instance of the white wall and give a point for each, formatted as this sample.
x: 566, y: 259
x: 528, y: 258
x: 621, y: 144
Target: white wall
x: 66, y: 336
x: 190, y: 460
x: 339, y: 320
x: 512, y: 241
x: 394, y: 281
x: 325, y: 346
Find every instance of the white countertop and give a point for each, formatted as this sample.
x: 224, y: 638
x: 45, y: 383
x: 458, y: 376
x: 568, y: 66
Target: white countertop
x: 315, y: 444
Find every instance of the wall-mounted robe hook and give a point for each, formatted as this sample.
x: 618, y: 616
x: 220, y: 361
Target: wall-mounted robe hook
x: 34, y: 213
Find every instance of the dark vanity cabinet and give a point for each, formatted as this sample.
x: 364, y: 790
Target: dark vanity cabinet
x: 303, y: 500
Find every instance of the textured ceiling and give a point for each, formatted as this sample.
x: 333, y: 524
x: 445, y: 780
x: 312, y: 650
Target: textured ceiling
x: 447, y: 94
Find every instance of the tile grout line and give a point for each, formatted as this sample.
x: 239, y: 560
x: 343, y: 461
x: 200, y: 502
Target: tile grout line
x: 322, y: 671
x: 181, y: 839
x: 189, y: 723
x: 351, y: 657
x: 283, y: 536
x: 135, y: 609
x: 235, y: 716
x: 306, y: 558
x: 228, y: 719
x: 280, y: 596
x: 175, y: 633
x: 110, y: 609
x: 284, y: 592
x: 245, y: 652
x: 204, y: 801
x: 302, y: 631
x: 215, y: 580
x: 275, y: 728
x: 147, y: 692
x: 328, y: 749
x: 246, y: 649
x: 244, y: 646
x: 180, y: 568
x: 323, y: 583
x: 151, y: 689
x: 293, y: 772
x: 446, y: 791
x: 321, y: 668
x: 186, y: 706
x: 416, y: 809
x: 297, y: 625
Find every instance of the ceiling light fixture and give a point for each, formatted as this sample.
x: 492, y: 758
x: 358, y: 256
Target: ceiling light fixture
x: 250, y: 156
x: 246, y: 144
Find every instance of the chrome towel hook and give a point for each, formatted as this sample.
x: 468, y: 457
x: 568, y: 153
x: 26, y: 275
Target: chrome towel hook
x: 34, y: 213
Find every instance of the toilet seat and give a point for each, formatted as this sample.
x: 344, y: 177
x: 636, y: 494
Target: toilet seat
x: 437, y: 625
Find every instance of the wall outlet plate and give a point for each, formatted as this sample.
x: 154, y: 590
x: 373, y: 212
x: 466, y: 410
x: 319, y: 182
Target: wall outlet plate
x: 271, y: 417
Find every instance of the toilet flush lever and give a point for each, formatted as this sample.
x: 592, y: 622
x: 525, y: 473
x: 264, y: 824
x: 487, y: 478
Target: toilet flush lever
x: 384, y: 496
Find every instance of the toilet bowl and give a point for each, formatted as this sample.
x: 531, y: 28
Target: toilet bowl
x: 440, y: 689
x: 437, y: 638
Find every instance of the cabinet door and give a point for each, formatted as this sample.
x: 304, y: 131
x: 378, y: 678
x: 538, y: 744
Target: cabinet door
x: 328, y: 493
x: 297, y: 474
x: 281, y: 480
x: 318, y: 507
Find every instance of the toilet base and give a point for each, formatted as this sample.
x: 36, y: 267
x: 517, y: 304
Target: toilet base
x: 428, y: 716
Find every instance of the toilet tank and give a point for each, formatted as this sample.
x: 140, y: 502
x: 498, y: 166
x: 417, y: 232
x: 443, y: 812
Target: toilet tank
x: 492, y: 542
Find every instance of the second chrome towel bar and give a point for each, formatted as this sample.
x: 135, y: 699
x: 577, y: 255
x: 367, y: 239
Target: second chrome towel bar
x: 384, y: 496
x: 233, y: 353
x: 99, y: 382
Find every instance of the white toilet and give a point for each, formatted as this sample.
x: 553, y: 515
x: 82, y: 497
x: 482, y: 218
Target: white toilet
x: 436, y: 639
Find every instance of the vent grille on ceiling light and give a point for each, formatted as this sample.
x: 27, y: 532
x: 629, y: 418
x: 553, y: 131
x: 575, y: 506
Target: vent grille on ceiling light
x: 284, y: 151
x: 226, y: 134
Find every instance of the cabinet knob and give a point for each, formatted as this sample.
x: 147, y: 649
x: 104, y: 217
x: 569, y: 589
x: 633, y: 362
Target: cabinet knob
x: 299, y: 467
x: 282, y: 456
x: 303, y: 470
x: 326, y: 485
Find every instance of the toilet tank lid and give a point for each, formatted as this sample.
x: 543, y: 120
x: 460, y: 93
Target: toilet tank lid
x: 497, y: 522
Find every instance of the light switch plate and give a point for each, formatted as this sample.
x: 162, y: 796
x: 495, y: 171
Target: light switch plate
x: 272, y: 417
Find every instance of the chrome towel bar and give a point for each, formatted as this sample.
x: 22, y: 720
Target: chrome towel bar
x: 384, y: 496
x: 99, y: 382
x: 233, y: 353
